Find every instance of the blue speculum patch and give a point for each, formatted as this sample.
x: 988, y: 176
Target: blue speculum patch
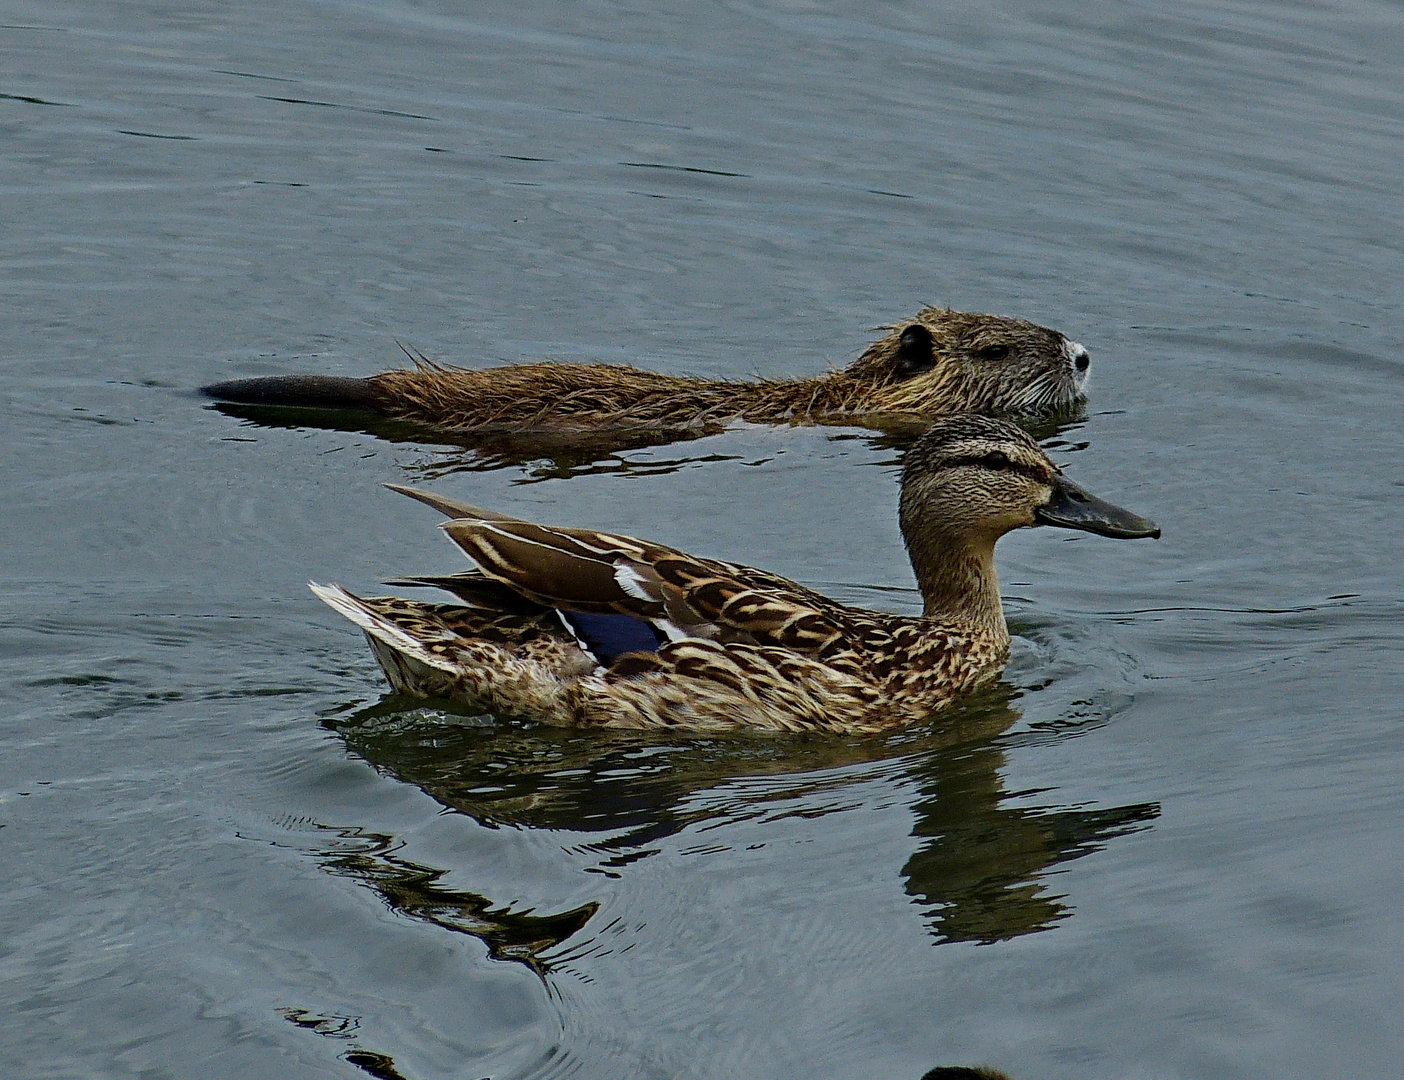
x: 609, y: 637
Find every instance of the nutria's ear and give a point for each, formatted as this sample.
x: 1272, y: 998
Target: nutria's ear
x: 914, y: 350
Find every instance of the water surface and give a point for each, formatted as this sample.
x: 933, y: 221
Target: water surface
x: 1166, y: 845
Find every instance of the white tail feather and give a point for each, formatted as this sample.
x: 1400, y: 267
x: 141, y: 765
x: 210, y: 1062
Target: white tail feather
x: 379, y: 627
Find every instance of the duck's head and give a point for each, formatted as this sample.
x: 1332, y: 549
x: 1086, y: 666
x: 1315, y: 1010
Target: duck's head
x: 969, y: 480
x: 979, y: 477
x: 958, y: 361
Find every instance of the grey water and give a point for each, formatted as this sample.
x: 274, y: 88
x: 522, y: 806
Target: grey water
x: 1166, y: 845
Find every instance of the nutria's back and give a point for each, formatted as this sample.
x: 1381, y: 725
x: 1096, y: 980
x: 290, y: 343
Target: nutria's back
x: 940, y: 362
x: 556, y: 396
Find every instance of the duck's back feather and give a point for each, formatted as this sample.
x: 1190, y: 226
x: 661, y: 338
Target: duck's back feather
x: 604, y: 573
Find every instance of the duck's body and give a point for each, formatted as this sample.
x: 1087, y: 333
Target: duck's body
x: 576, y: 627
x: 771, y: 655
x: 939, y: 363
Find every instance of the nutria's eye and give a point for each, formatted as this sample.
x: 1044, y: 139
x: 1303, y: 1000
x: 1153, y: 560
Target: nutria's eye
x: 914, y: 350
x: 996, y: 460
x: 994, y: 352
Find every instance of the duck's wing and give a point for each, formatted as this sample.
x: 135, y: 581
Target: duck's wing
x: 580, y: 570
x: 475, y: 589
x: 683, y: 596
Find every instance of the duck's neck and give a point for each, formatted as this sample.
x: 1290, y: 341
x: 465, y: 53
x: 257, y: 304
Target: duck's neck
x: 958, y: 581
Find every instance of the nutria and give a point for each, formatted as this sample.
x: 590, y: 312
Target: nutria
x: 941, y: 362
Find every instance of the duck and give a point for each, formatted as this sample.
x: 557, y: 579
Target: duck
x: 581, y: 628
x: 938, y: 363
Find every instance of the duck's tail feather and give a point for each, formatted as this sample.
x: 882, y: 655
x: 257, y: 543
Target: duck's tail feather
x: 423, y: 655
x: 304, y: 391
x: 382, y: 629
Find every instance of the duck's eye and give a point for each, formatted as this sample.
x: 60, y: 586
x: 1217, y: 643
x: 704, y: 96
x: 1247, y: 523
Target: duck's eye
x: 914, y: 350
x: 994, y: 352
x: 996, y: 460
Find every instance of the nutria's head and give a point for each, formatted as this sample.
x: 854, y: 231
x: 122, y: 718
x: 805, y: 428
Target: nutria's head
x: 958, y: 361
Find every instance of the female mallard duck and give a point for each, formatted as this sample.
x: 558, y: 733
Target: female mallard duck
x: 577, y: 627
x: 941, y: 362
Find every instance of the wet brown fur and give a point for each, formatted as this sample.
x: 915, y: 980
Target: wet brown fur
x: 1037, y: 375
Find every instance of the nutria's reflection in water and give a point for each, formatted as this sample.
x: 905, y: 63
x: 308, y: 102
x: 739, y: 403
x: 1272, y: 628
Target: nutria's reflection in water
x: 548, y: 456
x: 976, y: 873
x: 542, y: 455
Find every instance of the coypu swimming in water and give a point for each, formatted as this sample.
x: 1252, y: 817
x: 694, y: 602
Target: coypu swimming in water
x: 580, y: 628
x: 938, y: 363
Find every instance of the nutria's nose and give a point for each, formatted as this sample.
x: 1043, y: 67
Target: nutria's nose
x: 1082, y: 361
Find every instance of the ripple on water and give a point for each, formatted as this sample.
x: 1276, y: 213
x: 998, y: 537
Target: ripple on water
x: 1201, y: 192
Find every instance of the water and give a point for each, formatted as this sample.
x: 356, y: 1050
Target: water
x: 1166, y: 845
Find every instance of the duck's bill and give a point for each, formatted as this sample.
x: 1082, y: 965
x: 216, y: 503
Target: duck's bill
x: 1072, y: 508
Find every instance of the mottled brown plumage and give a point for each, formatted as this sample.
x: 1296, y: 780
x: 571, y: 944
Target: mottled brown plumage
x: 938, y: 363
x: 738, y: 647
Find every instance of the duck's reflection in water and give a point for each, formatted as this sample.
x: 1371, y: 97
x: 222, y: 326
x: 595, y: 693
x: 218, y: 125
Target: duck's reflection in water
x: 977, y: 872
x: 413, y: 889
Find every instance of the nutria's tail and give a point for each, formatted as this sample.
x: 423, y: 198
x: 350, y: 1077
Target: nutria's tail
x: 306, y: 391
